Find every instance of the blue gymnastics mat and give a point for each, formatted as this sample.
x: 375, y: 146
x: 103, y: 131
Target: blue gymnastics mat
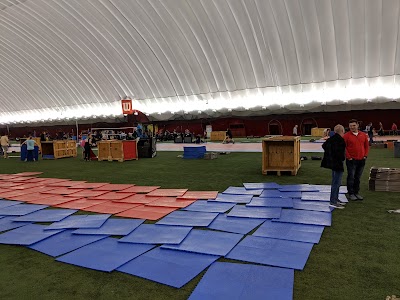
x: 255, y: 212
x: 157, y: 234
x: 305, y: 217
x: 113, y: 227
x: 234, y: 190
x: 271, y: 202
x: 64, y: 242
x: 80, y: 221
x: 207, y: 242
x: 21, y: 209
x: 326, y: 188
x: 279, y: 194
x: 7, y: 203
x: 321, y: 196
x: 298, y: 188
x: 290, y: 231
x: 224, y: 280
x: 188, y: 218
x: 261, y: 185
x: 27, y: 235
x: 6, y: 223
x: 104, y: 255
x: 311, y: 205
x: 274, y: 252
x: 233, y: 198
x: 209, y: 206
x: 46, y: 215
x: 170, y: 267
x: 235, y: 225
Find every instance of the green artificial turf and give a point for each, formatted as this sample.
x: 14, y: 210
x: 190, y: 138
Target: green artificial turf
x: 357, y: 258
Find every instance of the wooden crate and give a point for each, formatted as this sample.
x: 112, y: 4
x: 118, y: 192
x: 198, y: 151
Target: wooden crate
x: 317, y: 131
x: 281, y: 154
x: 58, y: 149
x: 117, y: 150
x: 217, y: 135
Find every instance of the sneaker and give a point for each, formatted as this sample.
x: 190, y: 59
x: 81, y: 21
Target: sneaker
x: 359, y: 197
x: 336, y: 205
x: 353, y: 197
x: 341, y: 203
x: 26, y: 159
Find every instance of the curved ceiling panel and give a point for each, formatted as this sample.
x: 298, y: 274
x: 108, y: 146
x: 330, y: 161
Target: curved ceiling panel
x: 66, y: 59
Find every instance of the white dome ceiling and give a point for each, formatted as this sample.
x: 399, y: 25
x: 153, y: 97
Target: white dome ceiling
x: 63, y: 59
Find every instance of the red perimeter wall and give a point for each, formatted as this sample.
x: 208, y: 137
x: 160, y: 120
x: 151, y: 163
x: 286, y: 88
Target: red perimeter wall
x: 254, y: 126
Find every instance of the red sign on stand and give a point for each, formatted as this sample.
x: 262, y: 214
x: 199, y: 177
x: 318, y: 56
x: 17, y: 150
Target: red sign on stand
x: 127, y: 108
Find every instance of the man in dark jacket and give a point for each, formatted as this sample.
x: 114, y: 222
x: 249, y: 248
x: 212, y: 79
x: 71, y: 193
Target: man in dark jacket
x: 334, y: 156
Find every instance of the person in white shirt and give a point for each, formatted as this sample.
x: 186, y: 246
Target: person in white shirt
x: 295, y: 133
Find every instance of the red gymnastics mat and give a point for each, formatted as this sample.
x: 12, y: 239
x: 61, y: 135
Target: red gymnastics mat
x: 114, y: 187
x: 87, y: 193
x: 200, y: 195
x: 140, y: 189
x: 110, y: 207
x: 28, y: 173
x: 89, y: 185
x: 7, y: 184
x: 68, y: 183
x: 112, y: 196
x: 46, y: 181
x: 53, y: 200
x: 13, y: 193
x: 167, y: 192
x: 62, y: 191
x: 24, y: 186
x: 36, y: 180
x: 170, y: 202
x: 80, y: 204
x: 147, y: 212
x: 31, y: 197
x: 22, y: 179
x: 138, y: 198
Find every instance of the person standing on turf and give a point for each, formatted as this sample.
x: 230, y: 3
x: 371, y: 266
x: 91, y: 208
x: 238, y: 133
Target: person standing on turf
x: 334, y: 157
x: 357, y: 148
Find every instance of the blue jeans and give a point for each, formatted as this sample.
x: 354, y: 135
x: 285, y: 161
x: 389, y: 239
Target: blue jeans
x: 335, y: 185
x: 355, y: 169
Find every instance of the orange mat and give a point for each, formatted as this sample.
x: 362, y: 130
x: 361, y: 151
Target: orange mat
x: 62, y: 191
x: 167, y: 192
x: 110, y: 207
x: 53, y: 200
x: 147, y: 212
x: 80, y: 204
x: 89, y: 185
x: 47, y: 181
x: 112, y: 196
x: 200, y: 195
x: 138, y: 198
x: 114, y: 187
x: 170, y: 202
x: 140, y: 189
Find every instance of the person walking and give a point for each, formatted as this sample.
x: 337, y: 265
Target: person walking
x: 357, y: 148
x: 334, y: 156
x: 87, y: 147
x: 370, y: 131
x: 295, y: 131
x: 4, y: 144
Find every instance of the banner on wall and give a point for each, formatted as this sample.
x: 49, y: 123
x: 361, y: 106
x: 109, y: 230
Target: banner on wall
x: 127, y: 108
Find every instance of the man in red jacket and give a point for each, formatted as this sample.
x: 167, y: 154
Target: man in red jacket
x: 357, y: 148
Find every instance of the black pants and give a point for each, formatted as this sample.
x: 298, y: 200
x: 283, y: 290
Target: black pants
x: 354, y: 171
x: 86, y: 153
